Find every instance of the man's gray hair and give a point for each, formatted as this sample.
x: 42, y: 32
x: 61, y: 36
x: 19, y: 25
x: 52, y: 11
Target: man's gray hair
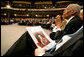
x: 75, y: 7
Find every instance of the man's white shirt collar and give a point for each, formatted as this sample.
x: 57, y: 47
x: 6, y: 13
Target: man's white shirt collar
x: 69, y: 19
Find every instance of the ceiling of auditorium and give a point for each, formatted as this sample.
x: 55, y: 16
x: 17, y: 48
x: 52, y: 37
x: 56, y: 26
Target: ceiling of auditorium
x: 35, y: 7
x: 38, y: 4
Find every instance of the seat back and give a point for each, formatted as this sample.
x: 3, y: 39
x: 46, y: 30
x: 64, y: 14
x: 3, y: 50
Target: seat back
x: 77, y: 32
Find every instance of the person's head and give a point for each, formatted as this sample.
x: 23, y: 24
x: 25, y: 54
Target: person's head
x: 81, y: 14
x: 39, y: 37
x: 71, y: 10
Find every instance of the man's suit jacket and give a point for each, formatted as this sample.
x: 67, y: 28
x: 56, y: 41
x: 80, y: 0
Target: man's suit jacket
x: 73, y: 47
x: 74, y: 24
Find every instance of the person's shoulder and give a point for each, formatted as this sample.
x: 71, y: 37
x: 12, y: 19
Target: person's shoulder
x: 76, y: 18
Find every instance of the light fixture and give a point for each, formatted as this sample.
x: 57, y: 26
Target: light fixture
x: 27, y: 14
x: 5, y: 14
x: 15, y: 14
x: 45, y: 7
x: 8, y: 6
x: 47, y: 15
x: 53, y: 7
x: 36, y: 15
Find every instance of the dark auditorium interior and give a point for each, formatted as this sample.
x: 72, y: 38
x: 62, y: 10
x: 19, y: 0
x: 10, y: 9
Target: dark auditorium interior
x: 17, y: 15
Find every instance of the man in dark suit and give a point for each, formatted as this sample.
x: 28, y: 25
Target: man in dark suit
x: 73, y: 47
x: 73, y: 22
x: 26, y: 46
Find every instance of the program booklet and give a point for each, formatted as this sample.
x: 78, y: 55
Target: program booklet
x: 40, y: 38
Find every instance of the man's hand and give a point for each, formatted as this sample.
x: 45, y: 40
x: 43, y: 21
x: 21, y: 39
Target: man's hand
x: 58, y: 21
x: 39, y: 51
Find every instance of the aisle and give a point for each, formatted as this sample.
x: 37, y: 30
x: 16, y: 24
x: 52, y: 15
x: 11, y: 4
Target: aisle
x: 10, y: 34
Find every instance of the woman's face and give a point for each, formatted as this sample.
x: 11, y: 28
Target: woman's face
x: 42, y: 39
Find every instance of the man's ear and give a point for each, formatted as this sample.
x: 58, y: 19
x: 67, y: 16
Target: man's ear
x: 73, y: 12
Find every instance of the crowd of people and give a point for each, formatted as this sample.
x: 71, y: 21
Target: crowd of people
x: 43, y: 22
x: 7, y: 21
x: 71, y: 24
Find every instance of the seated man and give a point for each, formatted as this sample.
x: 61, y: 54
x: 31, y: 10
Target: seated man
x: 25, y: 45
x: 73, y: 22
x: 75, y: 48
x: 72, y: 46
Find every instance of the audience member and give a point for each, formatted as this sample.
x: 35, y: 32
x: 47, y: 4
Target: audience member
x: 26, y: 47
x: 73, y: 22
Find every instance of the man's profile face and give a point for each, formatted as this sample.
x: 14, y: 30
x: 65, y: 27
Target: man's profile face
x: 68, y: 12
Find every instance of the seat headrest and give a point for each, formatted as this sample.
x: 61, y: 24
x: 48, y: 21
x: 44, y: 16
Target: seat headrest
x: 77, y: 32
